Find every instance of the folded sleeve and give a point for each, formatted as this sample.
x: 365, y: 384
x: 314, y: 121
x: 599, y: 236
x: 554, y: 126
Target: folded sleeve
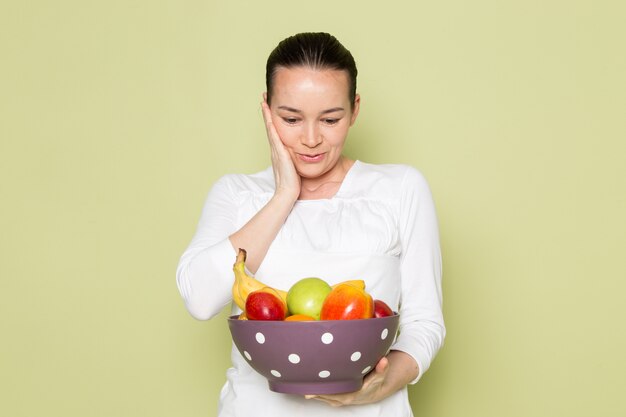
x: 422, y: 329
x: 204, y: 274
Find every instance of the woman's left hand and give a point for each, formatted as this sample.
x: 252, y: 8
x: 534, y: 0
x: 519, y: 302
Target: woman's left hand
x: 392, y: 373
x: 370, y: 391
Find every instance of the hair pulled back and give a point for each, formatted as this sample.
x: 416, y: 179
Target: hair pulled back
x: 315, y: 50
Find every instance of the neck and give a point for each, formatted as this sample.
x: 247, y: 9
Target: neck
x: 326, y: 185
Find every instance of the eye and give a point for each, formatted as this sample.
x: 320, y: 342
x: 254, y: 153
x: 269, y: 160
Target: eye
x: 331, y: 121
x: 290, y: 120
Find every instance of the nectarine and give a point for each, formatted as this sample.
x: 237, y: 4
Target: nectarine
x: 347, y: 302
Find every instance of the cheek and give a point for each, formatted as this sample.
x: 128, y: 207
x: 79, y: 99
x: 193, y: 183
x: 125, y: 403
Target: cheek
x: 285, y: 133
x: 336, y: 137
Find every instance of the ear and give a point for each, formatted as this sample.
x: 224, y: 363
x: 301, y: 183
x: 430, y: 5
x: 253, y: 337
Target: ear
x: 355, y: 108
x: 265, y: 97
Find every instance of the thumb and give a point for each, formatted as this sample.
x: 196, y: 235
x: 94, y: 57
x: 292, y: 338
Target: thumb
x: 382, y: 365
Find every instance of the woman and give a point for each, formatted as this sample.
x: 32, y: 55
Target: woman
x: 317, y: 213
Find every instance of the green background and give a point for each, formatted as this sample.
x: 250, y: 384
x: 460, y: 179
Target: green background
x: 117, y: 116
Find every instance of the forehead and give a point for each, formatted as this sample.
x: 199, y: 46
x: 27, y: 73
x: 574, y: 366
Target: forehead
x: 304, y: 83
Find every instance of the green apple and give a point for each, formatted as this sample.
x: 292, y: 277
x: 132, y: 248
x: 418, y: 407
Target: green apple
x: 307, y: 297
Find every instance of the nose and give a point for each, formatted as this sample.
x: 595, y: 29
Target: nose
x: 311, y: 137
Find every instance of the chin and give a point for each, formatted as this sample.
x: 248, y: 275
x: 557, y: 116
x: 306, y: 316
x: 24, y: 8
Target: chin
x: 310, y: 172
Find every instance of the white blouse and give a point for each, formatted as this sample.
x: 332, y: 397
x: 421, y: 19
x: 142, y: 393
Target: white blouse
x: 381, y: 227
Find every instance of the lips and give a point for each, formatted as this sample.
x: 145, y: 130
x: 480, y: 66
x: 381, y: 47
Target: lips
x: 311, y: 157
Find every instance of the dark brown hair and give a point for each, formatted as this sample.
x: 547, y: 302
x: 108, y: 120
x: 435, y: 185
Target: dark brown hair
x: 316, y: 50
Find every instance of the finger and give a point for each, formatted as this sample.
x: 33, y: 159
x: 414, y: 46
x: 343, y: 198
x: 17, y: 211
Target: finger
x: 272, y: 133
x: 377, y: 374
x: 329, y: 401
x: 265, y: 109
x: 267, y: 115
x: 343, y: 399
x: 382, y: 365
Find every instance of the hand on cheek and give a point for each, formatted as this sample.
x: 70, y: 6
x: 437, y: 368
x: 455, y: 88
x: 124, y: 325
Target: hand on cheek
x: 285, y: 175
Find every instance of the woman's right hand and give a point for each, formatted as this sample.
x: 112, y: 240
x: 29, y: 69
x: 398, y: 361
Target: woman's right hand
x: 259, y: 232
x: 285, y: 175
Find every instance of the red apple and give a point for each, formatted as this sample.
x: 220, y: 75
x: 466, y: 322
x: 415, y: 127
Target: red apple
x: 264, y: 305
x: 381, y: 309
x: 347, y: 302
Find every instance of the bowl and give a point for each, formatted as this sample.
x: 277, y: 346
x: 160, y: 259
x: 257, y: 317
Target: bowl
x: 314, y: 357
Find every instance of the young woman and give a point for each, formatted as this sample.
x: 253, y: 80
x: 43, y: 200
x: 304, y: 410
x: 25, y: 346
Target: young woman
x: 315, y: 212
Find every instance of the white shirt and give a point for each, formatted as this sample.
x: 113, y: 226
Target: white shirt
x: 380, y: 227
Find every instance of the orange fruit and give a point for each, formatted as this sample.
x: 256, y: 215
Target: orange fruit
x: 299, y: 317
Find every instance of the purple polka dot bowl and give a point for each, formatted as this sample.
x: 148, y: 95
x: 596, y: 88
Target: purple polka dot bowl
x: 314, y: 357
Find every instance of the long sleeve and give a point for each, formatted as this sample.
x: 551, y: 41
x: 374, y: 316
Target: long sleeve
x: 380, y: 227
x: 204, y: 275
x: 422, y: 329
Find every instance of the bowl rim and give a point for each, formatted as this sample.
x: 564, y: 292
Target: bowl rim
x: 235, y: 318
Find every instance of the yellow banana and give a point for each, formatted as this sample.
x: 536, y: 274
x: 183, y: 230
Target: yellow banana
x: 245, y: 284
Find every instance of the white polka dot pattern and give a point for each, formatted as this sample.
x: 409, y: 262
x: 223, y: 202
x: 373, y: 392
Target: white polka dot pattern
x: 329, y: 354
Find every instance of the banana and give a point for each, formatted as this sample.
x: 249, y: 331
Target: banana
x: 245, y: 284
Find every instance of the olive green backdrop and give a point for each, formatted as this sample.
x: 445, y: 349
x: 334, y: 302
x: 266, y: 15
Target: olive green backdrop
x: 117, y: 116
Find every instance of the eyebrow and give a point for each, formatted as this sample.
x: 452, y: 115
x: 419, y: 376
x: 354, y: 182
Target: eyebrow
x: 291, y: 109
